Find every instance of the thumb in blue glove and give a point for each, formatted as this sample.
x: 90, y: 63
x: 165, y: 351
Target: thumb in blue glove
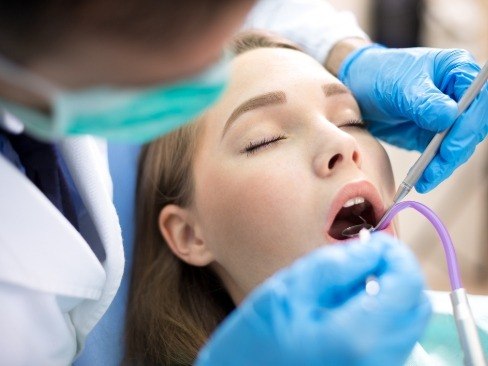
x: 317, y: 312
x: 410, y: 94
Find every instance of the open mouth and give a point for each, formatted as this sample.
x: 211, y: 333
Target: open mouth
x: 355, y: 204
x: 355, y: 211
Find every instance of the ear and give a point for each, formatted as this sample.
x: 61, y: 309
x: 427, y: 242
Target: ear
x: 178, y: 227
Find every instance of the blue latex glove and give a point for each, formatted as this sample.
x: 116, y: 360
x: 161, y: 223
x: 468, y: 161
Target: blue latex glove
x: 317, y: 312
x: 409, y: 94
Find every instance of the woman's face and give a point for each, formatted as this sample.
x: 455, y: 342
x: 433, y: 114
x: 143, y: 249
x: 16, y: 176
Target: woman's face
x: 278, y: 158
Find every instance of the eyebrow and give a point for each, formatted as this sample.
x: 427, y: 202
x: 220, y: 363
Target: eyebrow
x: 277, y: 97
x: 334, y: 89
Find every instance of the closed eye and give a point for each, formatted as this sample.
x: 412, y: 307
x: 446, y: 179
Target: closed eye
x: 359, y: 123
x: 253, y: 147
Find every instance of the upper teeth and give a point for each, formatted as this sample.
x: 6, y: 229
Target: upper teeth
x: 354, y: 201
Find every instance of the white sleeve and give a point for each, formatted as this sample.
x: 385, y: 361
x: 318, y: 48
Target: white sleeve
x: 34, y: 329
x: 313, y: 24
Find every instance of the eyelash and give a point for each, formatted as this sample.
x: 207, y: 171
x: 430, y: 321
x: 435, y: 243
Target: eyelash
x: 359, y: 123
x: 253, y: 147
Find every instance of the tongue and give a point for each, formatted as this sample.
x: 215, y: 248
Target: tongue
x: 347, y: 216
x: 339, y: 225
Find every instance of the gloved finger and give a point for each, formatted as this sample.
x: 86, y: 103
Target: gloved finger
x: 406, y: 135
x: 328, y: 276
x: 439, y: 170
x: 402, y: 327
x: 403, y: 330
x: 470, y: 129
x: 436, y: 172
x: 423, y: 103
x: 401, y: 283
x: 408, y: 324
x: 422, y: 139
x: 454, y: 71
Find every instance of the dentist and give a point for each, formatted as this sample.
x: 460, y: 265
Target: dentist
x: 133, y: 70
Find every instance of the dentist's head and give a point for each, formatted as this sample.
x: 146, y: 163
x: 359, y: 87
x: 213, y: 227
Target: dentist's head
x: 130, y: 43
x: 66, y: 59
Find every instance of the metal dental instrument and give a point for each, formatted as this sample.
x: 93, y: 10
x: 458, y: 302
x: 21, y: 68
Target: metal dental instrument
x: 354, y: 230
x: 418, y: 168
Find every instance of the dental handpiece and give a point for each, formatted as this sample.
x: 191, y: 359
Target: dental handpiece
x: 418, y: 168
x: 466, y: 327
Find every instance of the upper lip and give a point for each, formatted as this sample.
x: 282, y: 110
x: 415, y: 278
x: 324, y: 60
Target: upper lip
x: 361, y: 188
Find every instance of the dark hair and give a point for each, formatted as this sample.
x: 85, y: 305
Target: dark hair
x: 29, y: 28
x: 173, y: 307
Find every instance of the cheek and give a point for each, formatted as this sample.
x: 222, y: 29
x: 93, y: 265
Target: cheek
x: 376, y: 164
x: 247, y: 203
x: 254, y: 218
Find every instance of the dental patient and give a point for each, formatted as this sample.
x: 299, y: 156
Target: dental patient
x: 287, y: 146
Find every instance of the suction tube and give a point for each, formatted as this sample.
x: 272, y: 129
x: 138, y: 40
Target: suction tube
x: 465, y: 324
x: 451, y: 259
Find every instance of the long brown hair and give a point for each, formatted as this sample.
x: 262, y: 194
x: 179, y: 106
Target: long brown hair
x: 173, y: 307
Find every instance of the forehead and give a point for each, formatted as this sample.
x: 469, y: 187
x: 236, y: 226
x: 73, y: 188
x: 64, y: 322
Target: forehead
x: 265, y: 69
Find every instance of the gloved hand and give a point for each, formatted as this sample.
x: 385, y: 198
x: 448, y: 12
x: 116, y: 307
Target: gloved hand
x: 409, y: 94
x: 317, y: 312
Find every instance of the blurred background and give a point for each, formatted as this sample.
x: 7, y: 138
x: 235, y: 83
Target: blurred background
x: 462, y: 201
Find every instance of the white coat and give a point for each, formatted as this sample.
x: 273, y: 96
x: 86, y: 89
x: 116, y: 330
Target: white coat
x: 53, y: 289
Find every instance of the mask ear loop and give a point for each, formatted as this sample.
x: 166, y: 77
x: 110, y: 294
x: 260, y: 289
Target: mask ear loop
x: 23, y: 78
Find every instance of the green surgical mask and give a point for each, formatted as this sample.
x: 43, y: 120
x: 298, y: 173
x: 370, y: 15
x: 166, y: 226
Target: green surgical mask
x: 135, y: 115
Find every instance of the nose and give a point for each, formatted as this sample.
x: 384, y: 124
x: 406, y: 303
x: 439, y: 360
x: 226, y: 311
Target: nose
x: 337, y: 151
